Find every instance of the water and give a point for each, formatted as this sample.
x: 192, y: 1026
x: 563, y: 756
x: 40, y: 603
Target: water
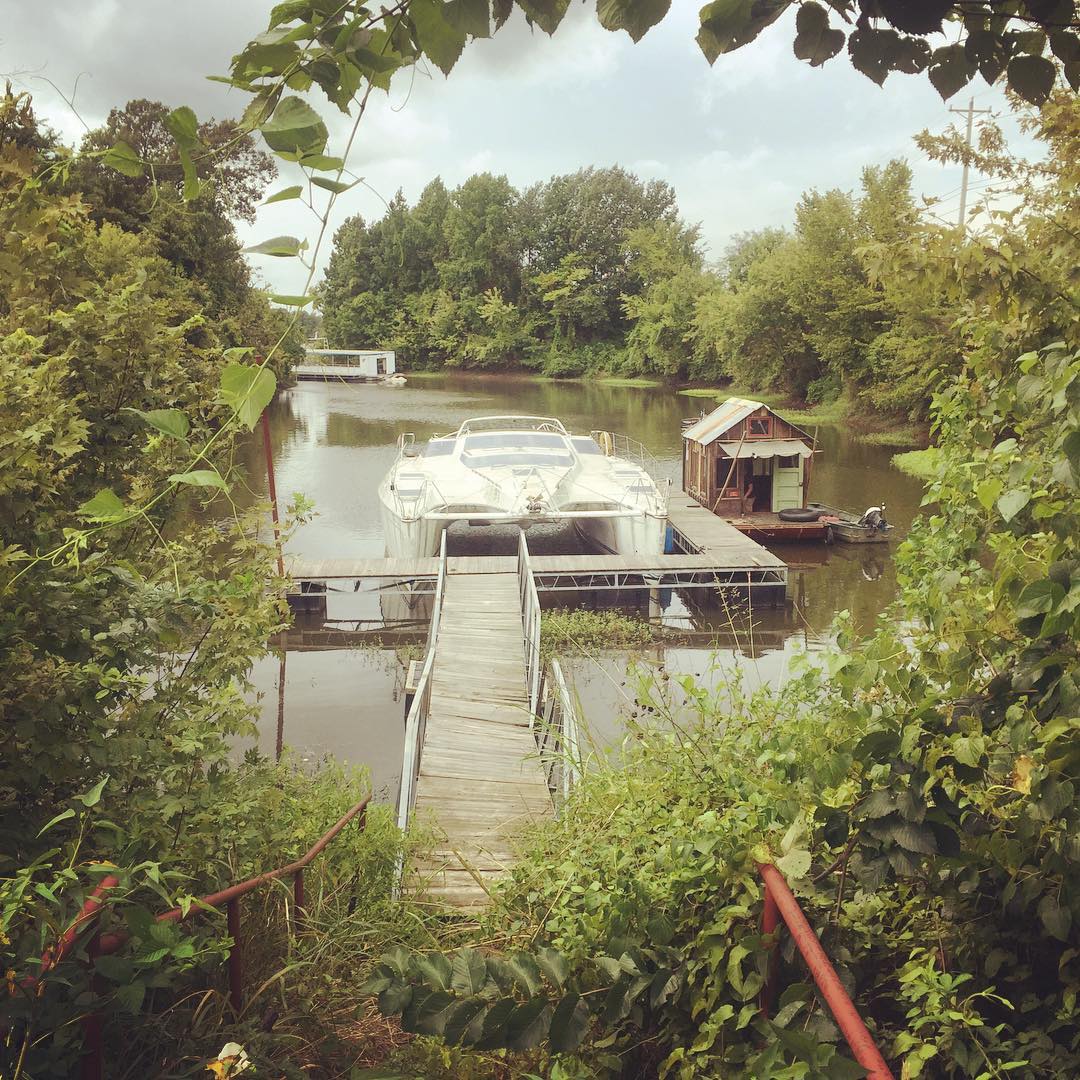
x: 334, y: 442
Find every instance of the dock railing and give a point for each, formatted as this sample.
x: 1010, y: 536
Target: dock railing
x: 530, y: 620
x: 556, y: 734
x: 416, y: 721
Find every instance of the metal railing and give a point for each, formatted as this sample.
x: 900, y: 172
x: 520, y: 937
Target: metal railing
x: 416, y: 721
x: 103, y: 944
x: 780, y: 903
x: 530, y: 621
x: 615, y: 444
x: 556, y: 733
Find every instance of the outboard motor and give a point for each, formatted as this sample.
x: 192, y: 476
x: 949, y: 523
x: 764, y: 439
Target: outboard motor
x: 874, y: 518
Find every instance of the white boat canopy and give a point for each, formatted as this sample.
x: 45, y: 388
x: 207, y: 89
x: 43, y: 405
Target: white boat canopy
x: 767, y: 448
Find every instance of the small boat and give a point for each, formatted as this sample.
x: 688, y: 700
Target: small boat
x: 871, y: 527
x: 394, y: 380
x: 524, y: 471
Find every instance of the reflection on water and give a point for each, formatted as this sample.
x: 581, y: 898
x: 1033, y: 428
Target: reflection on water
x: 334, y: 442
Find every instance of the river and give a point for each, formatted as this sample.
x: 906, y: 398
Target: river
x: 333, y: 443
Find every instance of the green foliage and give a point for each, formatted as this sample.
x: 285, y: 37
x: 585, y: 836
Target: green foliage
x: 583, y: 630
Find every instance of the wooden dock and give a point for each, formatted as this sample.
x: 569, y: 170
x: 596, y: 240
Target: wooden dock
x: 480, y: 779
x: 699, y: 531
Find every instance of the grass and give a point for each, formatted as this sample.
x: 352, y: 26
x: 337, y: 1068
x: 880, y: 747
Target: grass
x: 619, y: 380
x: 919, y: 463
x: 578, y: 630
x: 912, y: 435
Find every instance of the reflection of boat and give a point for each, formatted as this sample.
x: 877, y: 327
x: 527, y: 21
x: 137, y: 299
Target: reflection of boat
x: 869, y: 528
x: 521, y: 470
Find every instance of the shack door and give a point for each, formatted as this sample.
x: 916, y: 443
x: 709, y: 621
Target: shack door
x: 787, y: 483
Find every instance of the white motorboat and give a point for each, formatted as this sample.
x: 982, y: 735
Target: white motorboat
x: 522, y: 470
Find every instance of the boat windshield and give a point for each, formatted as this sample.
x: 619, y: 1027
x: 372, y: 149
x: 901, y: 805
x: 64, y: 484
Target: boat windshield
x: 438, y: 448
x: 516, y: 448
x: 584, y: 445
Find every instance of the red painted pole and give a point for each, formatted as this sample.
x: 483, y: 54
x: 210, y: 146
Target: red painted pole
x: 268, y: 451
x: 236, y: 958
x: 93, y: 1023
x: 828, y: 982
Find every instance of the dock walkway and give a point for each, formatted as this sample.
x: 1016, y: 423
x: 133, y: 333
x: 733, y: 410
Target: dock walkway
x: 480, y: 777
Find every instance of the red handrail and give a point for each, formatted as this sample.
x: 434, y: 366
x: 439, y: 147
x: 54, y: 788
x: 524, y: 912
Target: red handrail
x: 108, y: 943
x: 780, y: 901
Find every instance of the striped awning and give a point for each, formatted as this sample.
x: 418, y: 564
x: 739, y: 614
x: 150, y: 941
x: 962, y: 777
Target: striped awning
x: 766, y: 448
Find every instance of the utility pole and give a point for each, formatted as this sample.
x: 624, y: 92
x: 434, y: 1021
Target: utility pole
x: 969, y: 112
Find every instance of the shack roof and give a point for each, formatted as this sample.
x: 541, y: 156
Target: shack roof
x: 725, y: 416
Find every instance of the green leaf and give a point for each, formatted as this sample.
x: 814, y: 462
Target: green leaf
x: 636, y: 17
x: 468, y: 972
x: 282, y: 247
x: 293, y: 192
x: 494, y: 1030
x: 171, y: 422
x: 527, y: 1024
x: 569, y: 1023
x: 554, y: 966
x: 433, y: 1014
x: 815, y: 40
x: 93, y: 796
x: 395, y: 999
x: 336, y: 186
x: 987, y: 492
x: 1012, y: 502
x: 435, y: 36
x: 950, y: 70
x: 247, y: 389
x: 914, y: 837
x: 1038, y: 598
x: 124, y: 160
x: 292, y: 301
x: 322, y: 163
x: 130, y: 997
x: 62, y: 816
x: 547, y: 14
x: 727, y: 25
x: 469, y: 17
x: 183, y: 126
x: 105, y: 506
x: 192, y: 186
x: 295, y: 126
x: 1032, y: 77
x: 1056, y: 918
x: 525, y: 972
x: 461, y: 1018
x: 199, y: 478
x: 434, y: 969
x: 795, y: 864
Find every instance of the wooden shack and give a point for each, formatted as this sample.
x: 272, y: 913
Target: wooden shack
x: 746, y: 463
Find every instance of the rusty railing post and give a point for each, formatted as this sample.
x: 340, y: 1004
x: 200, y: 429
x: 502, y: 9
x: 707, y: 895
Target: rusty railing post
x: 298, y: 899
x: 770, y: 921
x: 236, y: 958
x: 93, y: 1023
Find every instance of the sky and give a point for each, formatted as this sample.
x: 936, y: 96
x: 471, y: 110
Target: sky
x: 739, y: 141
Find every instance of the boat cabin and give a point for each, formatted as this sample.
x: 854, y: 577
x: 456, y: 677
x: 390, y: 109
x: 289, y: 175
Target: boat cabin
x: 744, y: 459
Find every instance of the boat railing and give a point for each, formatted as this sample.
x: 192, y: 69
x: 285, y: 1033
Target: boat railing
x: 416, y: 721
x: 616, y: 444
x: 556, y: 733
x: 530, y: 619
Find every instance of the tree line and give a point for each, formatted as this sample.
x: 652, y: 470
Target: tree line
x: 596, y: 271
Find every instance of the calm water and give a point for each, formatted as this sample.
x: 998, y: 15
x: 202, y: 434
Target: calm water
x: 334, y: 442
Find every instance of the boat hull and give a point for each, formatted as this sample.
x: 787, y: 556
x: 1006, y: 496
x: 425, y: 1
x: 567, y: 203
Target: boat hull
x: 847, y: 533
x: 639, y: 535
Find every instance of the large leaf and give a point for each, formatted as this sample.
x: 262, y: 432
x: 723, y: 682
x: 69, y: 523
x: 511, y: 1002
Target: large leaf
x: 1055, y: 917
x: 437, y: 38
x: 569, y: 1023
x: 469, y: 16
x: 295, y: 126
x: 281, y: 247
x: 1012, y: 502
x: 815, y: 40
x: 463, y: 1016
x: 124, y: 160
x: 105, y: 506
x: 291, y: 301
x: 171, y: 422
x: 553, y: 964
x: 183, y: 127
x: 468, y: 974
x: 525, y: 972
x: 727, y: 25
x: 247, y: 389
x: 795, y: 864
x: 950, y: 70
x: 636, y: 17
x: 199, y: 478
x: 1032, y: 77
x: 528, y: 1024
x: 336, y: 186
x: 547, y: 14
x: 292, y: 192
x: 435, y: 970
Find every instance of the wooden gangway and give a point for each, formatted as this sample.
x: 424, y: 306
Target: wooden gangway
x: 472, y: 770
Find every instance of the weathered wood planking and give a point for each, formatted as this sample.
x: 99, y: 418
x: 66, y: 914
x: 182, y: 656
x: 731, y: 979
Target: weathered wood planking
x: 714, y: 537
x: 480, y: 780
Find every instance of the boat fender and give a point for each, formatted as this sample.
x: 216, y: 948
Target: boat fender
x: 799, y: 514
x: 606, y: 443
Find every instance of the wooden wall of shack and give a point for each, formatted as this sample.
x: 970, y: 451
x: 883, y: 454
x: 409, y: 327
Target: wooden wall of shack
x: 707, y: 470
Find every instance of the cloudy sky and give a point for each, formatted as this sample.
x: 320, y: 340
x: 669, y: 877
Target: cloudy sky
x: 739, y: 141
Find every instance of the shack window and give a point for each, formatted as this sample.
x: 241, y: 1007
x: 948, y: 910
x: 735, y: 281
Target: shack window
x: 759, y: 427
x: 791, y: 462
